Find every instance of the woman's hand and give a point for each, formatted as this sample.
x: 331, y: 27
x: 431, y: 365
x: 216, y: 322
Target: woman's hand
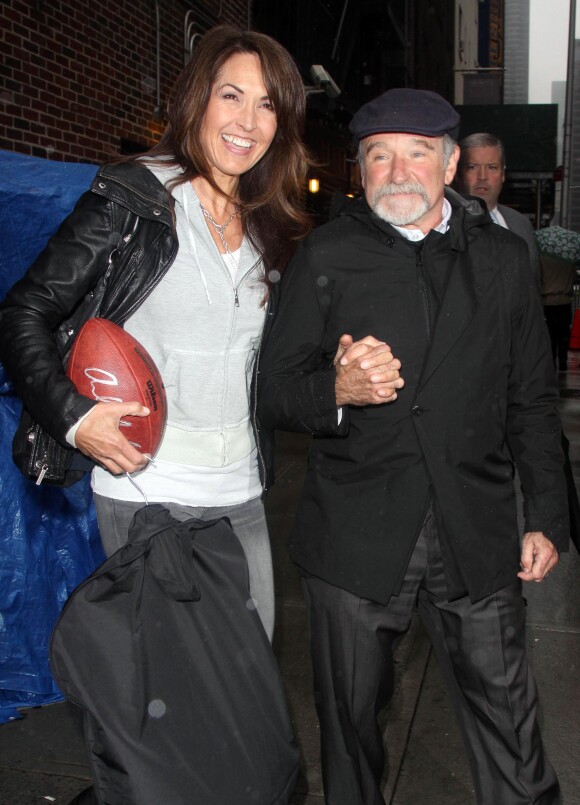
x: 99, y: 437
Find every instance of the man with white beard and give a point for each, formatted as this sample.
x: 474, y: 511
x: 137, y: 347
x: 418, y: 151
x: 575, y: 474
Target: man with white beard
x: 408, y: 337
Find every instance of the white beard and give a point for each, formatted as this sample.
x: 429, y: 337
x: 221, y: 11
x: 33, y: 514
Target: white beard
x: 400, y: 210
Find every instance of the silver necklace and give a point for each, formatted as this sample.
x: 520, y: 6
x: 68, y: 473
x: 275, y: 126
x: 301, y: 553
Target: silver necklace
x: 220, y: 228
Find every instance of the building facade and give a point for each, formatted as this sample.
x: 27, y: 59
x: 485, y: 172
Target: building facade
x: 87, y: 80
x: 517, y: 51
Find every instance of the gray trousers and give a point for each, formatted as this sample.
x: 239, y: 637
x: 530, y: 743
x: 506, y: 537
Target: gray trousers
x: 248, y: 521
x: 481, y: 649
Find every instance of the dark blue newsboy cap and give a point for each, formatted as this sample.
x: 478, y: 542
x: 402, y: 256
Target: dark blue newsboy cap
x: 413, y: 111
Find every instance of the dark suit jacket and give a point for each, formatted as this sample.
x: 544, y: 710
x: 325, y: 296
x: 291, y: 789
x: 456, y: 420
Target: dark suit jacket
x: 480, y: 388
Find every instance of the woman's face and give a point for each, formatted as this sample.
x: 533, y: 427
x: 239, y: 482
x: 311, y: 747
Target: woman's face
x: 240, y: 122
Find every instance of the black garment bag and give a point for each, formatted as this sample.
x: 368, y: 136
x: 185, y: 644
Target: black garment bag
x: 166, y: 654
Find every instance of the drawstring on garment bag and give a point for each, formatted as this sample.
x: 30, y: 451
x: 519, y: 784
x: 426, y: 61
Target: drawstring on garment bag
x: 193, y: 246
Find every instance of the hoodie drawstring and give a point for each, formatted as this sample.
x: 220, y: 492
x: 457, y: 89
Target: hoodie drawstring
x: 193, y: 246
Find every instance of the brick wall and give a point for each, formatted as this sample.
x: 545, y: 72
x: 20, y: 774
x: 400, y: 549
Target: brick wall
x: 78, y: 77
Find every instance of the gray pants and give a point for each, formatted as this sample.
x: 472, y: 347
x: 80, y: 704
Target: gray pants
x: 248, y: 521
x: 482, y: 654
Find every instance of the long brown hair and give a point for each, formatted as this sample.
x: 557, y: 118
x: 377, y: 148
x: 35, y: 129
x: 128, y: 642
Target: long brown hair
x: 270, y: 192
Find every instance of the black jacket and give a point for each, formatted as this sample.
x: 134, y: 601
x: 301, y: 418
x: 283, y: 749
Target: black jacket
x: 106, y: 258
x: 479, y: 388
x: 521, y: 225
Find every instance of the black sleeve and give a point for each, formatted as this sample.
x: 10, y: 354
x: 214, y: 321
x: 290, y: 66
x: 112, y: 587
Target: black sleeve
x: 533, y: 420
x: 296, y: 378
x: 62, y: 276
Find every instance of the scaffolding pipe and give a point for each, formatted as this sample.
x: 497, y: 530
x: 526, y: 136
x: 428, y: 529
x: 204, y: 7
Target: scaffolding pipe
x: 158, y: 111
x: 338, y: 33
x: 567, y: 140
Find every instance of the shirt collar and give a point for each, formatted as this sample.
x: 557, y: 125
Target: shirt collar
x: 498, y: 218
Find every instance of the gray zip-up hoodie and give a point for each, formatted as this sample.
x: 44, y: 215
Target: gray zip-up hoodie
x: 202, y: 326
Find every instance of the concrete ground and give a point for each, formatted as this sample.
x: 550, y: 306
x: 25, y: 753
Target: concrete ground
x: 42, y: 757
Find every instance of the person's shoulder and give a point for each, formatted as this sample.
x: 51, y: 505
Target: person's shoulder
x: 336, y: 242
x: 507, y: 238
x: 520, y: 230
x: 351, y: 218
x: 131, y: 179
x: 514, y: 217
x: 493, y: 247
x: 131, y: 171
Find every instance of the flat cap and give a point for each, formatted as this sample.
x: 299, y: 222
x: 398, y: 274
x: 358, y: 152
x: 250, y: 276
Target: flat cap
x: 412, y: 111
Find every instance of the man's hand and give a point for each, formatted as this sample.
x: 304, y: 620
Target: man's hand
x: 356, y: 349
x: 98, y: 436
x: 539, y: 556
x: 366, y: 372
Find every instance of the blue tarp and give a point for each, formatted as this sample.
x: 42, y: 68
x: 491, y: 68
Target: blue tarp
x: 48, y: 537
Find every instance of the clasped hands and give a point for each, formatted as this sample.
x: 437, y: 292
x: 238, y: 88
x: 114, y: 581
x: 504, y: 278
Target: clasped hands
x: 366, y: 372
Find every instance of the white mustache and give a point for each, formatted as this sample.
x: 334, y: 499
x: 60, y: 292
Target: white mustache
x: 406, y: 211
x: 399, y: 189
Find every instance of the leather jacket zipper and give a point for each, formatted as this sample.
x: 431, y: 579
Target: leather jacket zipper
x: 43, y: 470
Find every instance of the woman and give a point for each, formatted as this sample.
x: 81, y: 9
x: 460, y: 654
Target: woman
x: 177, y: 246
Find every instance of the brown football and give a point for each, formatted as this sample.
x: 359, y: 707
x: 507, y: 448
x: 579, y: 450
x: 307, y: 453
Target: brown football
x: 109, y: 365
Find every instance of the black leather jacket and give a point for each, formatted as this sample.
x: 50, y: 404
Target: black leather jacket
x: 106, y: 258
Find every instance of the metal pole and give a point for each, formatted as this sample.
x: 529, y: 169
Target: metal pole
x: 567, y: 142
x: 340, y: 24
x: 158, y: 111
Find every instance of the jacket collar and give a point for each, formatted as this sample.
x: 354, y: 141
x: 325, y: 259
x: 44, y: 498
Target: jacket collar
x: 462, y: 296
x: 466, y: 284
x: 133, y: 185
x: 467, y: 215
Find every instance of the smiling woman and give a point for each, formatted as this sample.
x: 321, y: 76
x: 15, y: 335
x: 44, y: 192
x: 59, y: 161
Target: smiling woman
x: 237, y: 130
x: 199, y: 223
x: 245, y: 93
x: 178, y: 246
x: 240, y: 121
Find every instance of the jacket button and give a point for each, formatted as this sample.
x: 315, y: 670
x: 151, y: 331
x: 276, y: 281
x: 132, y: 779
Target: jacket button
x: 156, y: 212
x: 102, y: 185
x: 416, y: 410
